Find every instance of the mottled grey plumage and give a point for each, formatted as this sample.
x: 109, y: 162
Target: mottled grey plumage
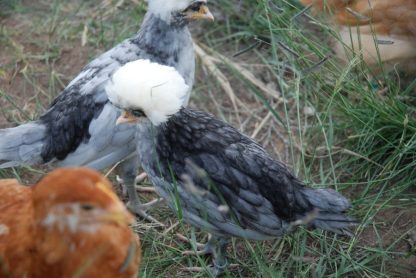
x: 79, y: 128
x: 229, y: 185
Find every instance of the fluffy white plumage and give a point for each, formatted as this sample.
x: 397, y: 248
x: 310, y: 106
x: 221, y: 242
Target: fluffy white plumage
x: 156, y: 89
x: 164, y: 8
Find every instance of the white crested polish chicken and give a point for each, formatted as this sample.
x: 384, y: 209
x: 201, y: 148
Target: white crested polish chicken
x: 213, y: 176
x: 79, y: 127
x: 377, y: 30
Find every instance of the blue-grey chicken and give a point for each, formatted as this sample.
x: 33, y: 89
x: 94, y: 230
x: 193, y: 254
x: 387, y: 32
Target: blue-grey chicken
x: 79, y: 127
x: 211, y: 174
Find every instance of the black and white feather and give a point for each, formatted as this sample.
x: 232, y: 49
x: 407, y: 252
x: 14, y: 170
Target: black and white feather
x: 220, y: 180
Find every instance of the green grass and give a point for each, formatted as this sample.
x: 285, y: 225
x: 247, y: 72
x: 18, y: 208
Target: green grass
x: 331, y: 123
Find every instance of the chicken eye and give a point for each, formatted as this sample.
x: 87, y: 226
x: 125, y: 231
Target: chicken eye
x: 195, y: 6
x: 87, y: 207
x: 137, y: 113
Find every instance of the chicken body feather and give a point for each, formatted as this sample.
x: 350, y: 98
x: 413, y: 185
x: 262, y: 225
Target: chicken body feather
x: 47, y: 230
x: 373, y: 29
x: 16, y: 228
x: 227, y: 168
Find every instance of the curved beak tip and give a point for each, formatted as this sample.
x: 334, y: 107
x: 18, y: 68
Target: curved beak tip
x: 206, y: 13
x: 202, y: 13
x: 125, y: 117
x: 121, y: 217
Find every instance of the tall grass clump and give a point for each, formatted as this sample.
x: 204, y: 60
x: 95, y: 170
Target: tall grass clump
x: 373, y: 116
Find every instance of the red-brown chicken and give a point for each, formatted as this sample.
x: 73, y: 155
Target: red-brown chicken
x: 70, y: 224
x: 373, y: 28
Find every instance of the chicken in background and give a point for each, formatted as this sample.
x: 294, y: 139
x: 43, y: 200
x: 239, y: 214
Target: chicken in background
x: 70, y: 224
x: 373, y: 28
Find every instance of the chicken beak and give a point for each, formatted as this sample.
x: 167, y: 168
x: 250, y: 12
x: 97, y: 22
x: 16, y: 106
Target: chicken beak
x: 125, y: 118
x: 203, y: 13
x: 119, y: 215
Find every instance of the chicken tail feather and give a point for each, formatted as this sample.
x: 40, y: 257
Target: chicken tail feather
x: 21, y: 145
x: 327, y: 210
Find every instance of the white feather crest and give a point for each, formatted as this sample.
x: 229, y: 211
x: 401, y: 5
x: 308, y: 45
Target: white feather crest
x: 164, y: 8
x: 156, y: 89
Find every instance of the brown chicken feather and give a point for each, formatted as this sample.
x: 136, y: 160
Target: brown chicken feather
x: 373, y: 28
x: 70, y: 224
x: 16, y: 228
